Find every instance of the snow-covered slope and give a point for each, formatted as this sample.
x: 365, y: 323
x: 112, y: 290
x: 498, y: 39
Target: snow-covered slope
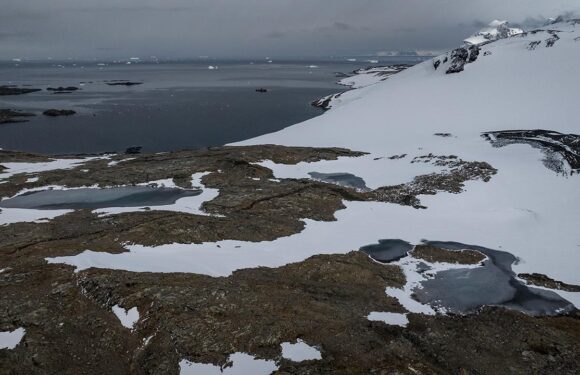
x: 527, y: 81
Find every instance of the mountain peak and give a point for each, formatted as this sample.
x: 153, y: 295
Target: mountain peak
x: 496, y: 30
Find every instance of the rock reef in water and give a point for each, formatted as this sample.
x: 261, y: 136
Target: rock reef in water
x: 62, y: 89
x: 9, y: 116
x: 13, y: 90
x: 58, y: 112
x: 123, y: 83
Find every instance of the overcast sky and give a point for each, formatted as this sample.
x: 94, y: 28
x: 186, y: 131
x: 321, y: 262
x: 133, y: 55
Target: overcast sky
x: 248, y: 28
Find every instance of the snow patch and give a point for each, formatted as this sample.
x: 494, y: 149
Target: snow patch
x: 300, y: 351
x: 128, y: 318
x: 242, y: 364
x: 23, y: 215
x: 112, y: 163
x: 30, y: 168
x: 394, y: 319
x: 11, y: 339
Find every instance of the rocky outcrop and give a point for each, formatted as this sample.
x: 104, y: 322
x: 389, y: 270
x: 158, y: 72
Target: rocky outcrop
x: 58, y: 112
x: 435, y: 254
x: 546, y: 282
x: 326, y: 102
x: 133, y: 150
x: 496, y: 30
x: 562, y: 151
x: 9, y: 116
x: 533, y: 45
x: 123, y: 83
x: 13, y: 90
x: 62, y: 90
x: 456, y: 60
x: 552, y: 39
x: 462, y: 56
x: 450, y: 180
x: 459, y: 57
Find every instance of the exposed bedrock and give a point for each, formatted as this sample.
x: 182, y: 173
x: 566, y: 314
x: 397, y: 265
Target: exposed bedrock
x: 561, y: 151
x: 457, y: 59
x: 323, y: 300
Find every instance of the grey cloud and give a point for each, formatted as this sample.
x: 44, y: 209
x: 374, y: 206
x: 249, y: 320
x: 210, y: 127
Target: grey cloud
x: 342, y: 26
x: 234, y: 28
x: 405, y: 30
x: 14, y: 35
x: 131, y: 9
x: 276, y: 34
x: 478, y: 24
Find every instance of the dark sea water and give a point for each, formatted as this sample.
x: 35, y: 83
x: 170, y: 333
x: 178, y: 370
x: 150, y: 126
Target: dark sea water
x: 180, y: 105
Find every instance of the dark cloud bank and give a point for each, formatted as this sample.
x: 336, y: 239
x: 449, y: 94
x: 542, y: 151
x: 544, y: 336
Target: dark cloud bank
x: 39, y: 29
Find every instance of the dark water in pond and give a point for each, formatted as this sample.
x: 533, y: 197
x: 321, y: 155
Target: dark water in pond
x: 180, y: 105
x: 342, y: 179
x: 92, y: 198
x: 388, y: 250
x: 465, y: 290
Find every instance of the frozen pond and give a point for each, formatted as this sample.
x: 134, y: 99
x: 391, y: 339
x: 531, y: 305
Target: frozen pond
x: 388, y: 250
x: 93, y: 198
x: 465, y: 290
x: 342, y: 179
x: 461, y: 289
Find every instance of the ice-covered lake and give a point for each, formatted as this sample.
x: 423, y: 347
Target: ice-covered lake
x: 93, y: 198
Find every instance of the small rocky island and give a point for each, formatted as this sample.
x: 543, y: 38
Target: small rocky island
x: 58, y: 112
x: 9, y: 116
x: 14, y: 90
